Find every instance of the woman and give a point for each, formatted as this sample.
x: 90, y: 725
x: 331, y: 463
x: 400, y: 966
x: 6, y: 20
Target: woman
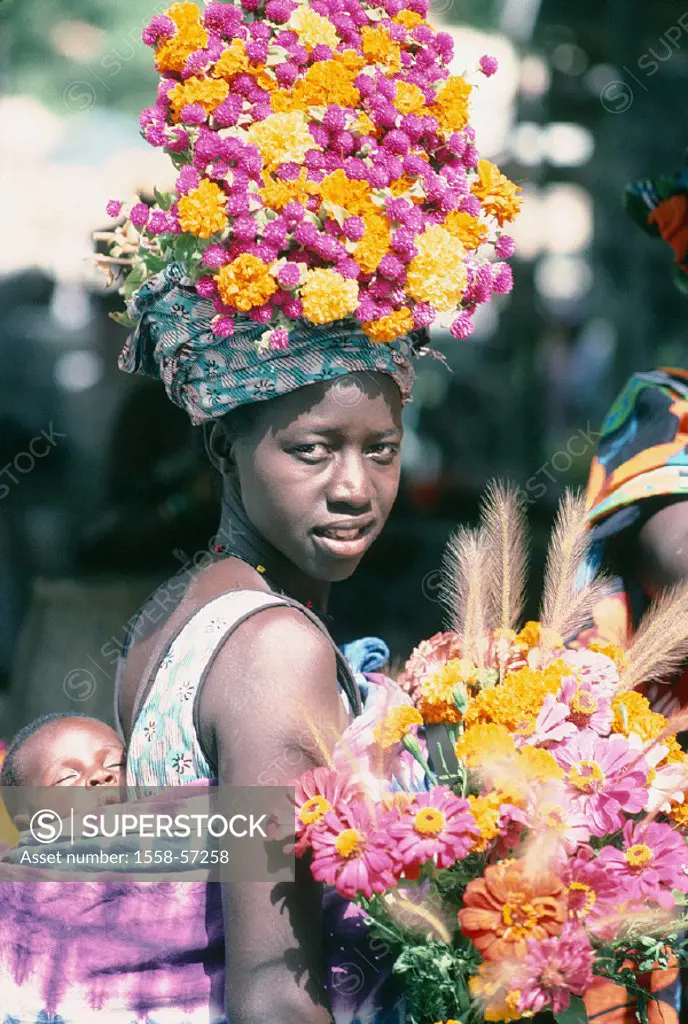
x: 221, y: 675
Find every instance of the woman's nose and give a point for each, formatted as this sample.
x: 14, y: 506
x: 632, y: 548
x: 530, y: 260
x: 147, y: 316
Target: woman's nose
x: 103, y: 777
x: 350, y: 483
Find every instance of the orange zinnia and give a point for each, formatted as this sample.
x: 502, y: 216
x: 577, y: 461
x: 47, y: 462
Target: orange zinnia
x: 505, y: 907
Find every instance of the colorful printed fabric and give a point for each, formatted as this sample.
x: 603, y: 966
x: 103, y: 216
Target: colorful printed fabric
x: 208, y: 376
x: 643, y: 453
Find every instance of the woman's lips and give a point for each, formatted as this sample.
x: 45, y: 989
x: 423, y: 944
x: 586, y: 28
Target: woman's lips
x: 344, y: 543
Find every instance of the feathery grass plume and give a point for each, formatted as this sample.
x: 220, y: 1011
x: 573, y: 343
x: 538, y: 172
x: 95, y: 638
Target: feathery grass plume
x: 463, y: 590
x: 418, y: 916
x: 504, y: 525
x: 660, y: 647
x: 566, y: 603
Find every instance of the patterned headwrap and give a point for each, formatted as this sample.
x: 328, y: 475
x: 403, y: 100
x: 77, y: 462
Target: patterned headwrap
x: 208, y: 376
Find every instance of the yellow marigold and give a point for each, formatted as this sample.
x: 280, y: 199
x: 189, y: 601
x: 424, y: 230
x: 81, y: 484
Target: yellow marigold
x: 282, y: 138
x: 438, y: 273
x: 379, y: 49
x: 469, y: 231
x: 490, y: 987
x: 202, y: 210
x: 313, y: 29
x: 538, y: 765
x: 173, y: 54
x: 632, y: 714
x: 354, y: 196
x: 453, y: 675
x: 390, y: 327
x: 486, y: 811
x: 276, y: 193
x: 396, y: 724
x: 409, y: 98
x: 327, y: 296
x: 498, y: 195
x: 328, y: 81
x: 206, y: 91
x: 451, y: 105
x: 245, y: 282
x: 484, y: 743
x: 232, y: 61
x: 613, y: 651
x: 517, y: 701
x: 363, y: 125
x: 529, y: 636
x: 439, y: 712
x: 374, y: 244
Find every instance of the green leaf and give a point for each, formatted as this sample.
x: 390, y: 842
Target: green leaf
x: 163, y: 199
x: 575, y: 1012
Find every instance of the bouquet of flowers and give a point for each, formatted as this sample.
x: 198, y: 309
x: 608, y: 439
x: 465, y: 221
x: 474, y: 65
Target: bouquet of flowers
x: 510, y: 816
x: 327, y: 169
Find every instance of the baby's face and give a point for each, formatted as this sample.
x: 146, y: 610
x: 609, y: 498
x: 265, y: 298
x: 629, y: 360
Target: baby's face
x: 73, y: 752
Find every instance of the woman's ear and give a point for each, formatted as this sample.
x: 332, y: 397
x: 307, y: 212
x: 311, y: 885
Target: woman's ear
x: 219, y: 446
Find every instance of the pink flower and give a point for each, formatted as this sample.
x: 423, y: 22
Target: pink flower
x: 206, y: 288
x: 594, y: 894
x: 426, y: 659
x: 188, y: 179
x: 588, y: 707
x: 554, y: 970
x: 488, y: 65
x: 316, y: 793
x: 139, y: 215
x: 505, y: 247
x: 351, y: 851
x: 503, y: 279
x: 552, y: 724
x: 463, y: 326
x: 279, y: 339
x: 605, y: 778
x: 593, y: 667
x: 437, y: 826
x: 113, y: 208
x: 159, y: 27
x: 556, y: 820
x: 652, y: 863
x: 222, y: 326
x: 289, y: 276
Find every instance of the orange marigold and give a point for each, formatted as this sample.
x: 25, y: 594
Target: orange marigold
x: 506, y: 907
x: 232, y: 61
x: 613, y: 651
x: 538, y: 765
x: 466, y: 228
x: 409, y: 98
x: 451, y: 105
x: 206, y: 91
x: 409, y: 19
x: 517, y: 701
x: 678, y: 814
x: 374, y: 244
x: 498, y: 195
x: 354, y: 196
x: 396, y: 724
x: 173, y: 54
x: 245, y: 282
x: 483, y: 743
x: 328, y: 81
x: 632, y: 713
x: 391, y: 327
x: 379, y: 49
x: 202, y: 210
x: 276, y: 193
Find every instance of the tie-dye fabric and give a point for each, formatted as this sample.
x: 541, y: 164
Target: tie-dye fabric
x: 209, y: 376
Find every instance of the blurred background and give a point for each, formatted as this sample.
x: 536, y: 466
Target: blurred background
x: 104, y: 487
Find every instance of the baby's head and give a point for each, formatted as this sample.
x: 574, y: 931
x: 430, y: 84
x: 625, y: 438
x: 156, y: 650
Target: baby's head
x: 65, y: 750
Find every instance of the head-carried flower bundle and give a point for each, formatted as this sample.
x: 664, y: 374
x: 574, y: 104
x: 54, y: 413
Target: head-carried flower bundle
x: 511, y: 818
x: 327, y: 169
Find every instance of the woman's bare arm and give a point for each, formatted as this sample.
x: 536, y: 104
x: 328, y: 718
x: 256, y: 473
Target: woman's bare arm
x: 276, y: 674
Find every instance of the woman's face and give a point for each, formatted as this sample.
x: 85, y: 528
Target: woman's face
x: 319, y: 471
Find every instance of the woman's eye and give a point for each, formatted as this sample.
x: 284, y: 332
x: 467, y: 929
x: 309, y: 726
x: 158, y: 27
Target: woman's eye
x: 386, y: 451
x: 309, y: 449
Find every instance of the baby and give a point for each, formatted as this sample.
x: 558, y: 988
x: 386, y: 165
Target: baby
x: 65, y: 750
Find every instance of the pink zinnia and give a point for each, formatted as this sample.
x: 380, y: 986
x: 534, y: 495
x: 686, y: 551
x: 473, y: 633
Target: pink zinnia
x: 318, y: 792
x: 351, y: 852
x: 437, y: 826
x: 589, y: 708
x: 606, y: 778
x: 552, y: 724
x: 553, y: 817
x: 652, y: 863
x: 554, y: 970
x: 594, y: 894
x: 593, y: 667
x: 426, y: 659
